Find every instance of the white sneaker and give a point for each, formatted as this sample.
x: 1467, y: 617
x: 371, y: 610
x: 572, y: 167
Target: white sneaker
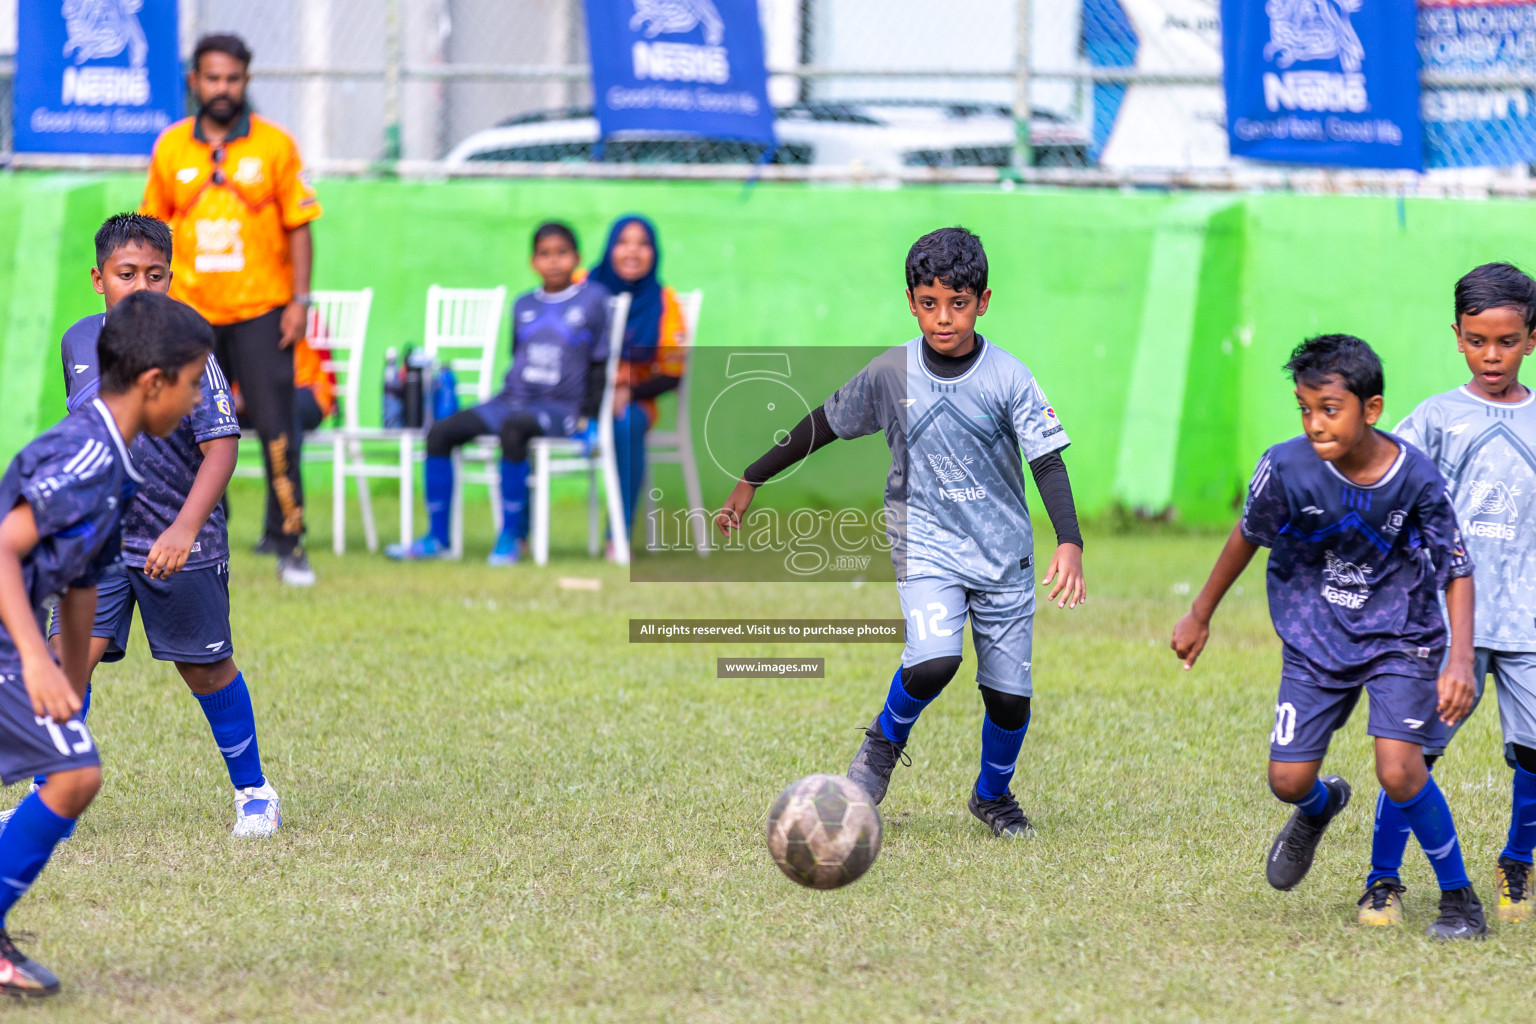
x: 256, y: 812
x: 5, y: 815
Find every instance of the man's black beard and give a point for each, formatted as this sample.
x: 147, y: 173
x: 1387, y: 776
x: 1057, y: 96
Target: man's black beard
x: 236, y: 109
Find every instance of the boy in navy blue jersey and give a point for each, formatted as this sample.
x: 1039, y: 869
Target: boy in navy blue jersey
x: 63, y: 497
x: 1363, y: 538
x: 175, y: 541
x: 553, y: 389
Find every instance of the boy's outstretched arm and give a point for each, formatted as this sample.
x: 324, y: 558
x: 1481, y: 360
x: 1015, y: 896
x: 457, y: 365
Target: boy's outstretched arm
x: 1192, y: 631
x: 810, y: 434
x: 1066, y: 567
x: 170, y: 550
x: 46, y: 684
x: 1457, y: 689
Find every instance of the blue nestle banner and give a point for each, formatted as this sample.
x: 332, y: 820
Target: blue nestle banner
x: 95, y: 76
x: 692, y: 67
x: 1332, y: 82
x: 1479, y: 126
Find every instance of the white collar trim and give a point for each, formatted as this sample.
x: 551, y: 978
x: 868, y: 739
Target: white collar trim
x: 562, y: 296
x: 1530, y: 396
x: 980, y: 357
x: 1402, y: 456
x: 117, y: 439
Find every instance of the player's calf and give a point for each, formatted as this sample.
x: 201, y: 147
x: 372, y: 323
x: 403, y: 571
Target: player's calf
x: 226, y: 702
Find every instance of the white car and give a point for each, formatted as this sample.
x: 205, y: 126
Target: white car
x: 871, y: 137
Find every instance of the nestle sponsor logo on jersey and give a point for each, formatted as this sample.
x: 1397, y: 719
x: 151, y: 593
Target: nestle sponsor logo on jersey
x: 963, y: 493
x: 1338, y: 573
x: 1344, y: 598
x: 1495, y: 531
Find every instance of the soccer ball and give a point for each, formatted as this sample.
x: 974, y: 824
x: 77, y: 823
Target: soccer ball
x: 824, y: 831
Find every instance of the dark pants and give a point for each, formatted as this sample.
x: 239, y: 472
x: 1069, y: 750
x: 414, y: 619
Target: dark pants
x: 252, y: 356
x: 462, y: 427
x: 307, y: 417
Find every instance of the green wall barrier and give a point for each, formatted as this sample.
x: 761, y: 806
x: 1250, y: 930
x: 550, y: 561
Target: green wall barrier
x: 1156, y: 323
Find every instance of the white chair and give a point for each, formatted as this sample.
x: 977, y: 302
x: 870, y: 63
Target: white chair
x: 551, y: 456
x: 675, y: 446
x: 461, y: 329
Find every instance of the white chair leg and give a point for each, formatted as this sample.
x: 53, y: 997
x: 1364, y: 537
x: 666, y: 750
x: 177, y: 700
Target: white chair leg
x: 407, y: 489
x: 456, y: 508
x: 365, y: 502
x: 493, y: 471
x: 694, y: 491
x: 539, y: 496
x: 647, y: 514
x: 617, y: 528
x: 594, y: 516
x: 338, y: 497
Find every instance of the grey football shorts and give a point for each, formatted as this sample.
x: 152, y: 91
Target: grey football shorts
x: 1002, y: 629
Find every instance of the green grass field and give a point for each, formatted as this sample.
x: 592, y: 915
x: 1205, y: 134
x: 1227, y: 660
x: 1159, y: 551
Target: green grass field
x: 498, y: 809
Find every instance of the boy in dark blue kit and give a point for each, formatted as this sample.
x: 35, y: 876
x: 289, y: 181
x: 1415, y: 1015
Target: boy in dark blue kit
x: 1363, y: 538
x: 63, y: 497
x: 175, y: 541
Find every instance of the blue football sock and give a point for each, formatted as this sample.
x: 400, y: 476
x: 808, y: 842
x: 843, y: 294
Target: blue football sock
x: 1522, y: 818
x: 1430, y: 817
x: 233, y: 722
x: 999, y: 757
x: 85, y: 706
x: 25, y: 846
x: 901, y: 710
x: 1388, y: 841
x: 514, y: 498
x: 1315, y: 802
x: 438, y: 479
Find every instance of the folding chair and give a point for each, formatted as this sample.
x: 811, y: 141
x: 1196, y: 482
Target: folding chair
x: 675, y: 446
x: 461, y: 329
x: 555, y: 455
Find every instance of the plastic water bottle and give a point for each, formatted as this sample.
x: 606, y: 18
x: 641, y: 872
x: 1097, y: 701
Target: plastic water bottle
x: 413, y: 391
x: 394, y: 406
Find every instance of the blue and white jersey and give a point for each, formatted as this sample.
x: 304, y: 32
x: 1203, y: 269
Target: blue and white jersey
x: 954, y: 498
x: 169, y: 465
x: 78, y: 479
x: 1487, y: 454
x: 555, y: 339
x: 1355, y: 573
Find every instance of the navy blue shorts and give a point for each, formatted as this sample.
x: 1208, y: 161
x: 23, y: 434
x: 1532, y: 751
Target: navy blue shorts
x: 31, y: 746
x: 1307, y: 714
x: 186, y: 617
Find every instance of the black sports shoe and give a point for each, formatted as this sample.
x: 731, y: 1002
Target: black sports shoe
x: 265, y: 546
x: 1461, y: 916
x: 1003, y: 816
x: 20, y: 975
x: 872, y: 765
x: 293, y: 569
x: 1290, y: 858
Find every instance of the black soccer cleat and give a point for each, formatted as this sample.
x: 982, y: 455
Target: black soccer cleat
x: 1461, y: 916
x: 1003, y: 816
x: 876, y: 760
x: 21, y: 976
x: 1290, y: 858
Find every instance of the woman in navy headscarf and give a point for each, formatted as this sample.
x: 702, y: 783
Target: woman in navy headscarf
x: 655, y: 351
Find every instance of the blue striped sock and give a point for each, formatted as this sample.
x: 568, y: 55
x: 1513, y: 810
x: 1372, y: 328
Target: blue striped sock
x: 25, y: 846
x: 1315, y: 802
x: 999, y: 757
x: 1435, y: 830
x: 233, y: 722
x: 437, y: 480
x: 901, y: 710
x: 1388, y: 841
x: 1522, y: 817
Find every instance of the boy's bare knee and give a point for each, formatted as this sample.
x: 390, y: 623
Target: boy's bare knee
x: 1291, y: 782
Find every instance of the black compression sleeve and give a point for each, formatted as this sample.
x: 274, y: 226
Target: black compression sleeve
x: 1055, y: 489
x: 653, y: 387
x: 809, y: 435
x: 597, y: 379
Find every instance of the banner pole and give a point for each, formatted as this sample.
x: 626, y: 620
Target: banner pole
x: 1023, y: 155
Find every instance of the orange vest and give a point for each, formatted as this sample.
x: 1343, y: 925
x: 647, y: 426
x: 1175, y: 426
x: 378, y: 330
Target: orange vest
x: 230, y: 210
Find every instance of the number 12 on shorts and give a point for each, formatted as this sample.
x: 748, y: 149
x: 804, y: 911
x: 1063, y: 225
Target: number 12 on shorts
x: 61, y: 741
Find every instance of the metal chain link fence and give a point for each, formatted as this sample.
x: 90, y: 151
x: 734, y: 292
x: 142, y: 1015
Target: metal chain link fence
x: 1111, y: 91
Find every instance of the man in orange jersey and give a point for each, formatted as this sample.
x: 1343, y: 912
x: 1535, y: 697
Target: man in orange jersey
x: 232, y: 187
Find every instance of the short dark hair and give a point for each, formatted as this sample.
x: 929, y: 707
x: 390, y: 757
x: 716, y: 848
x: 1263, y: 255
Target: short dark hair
x: 951, y: 256
x: 221, y: 42
x: 123, y: 229
x: 1341, y: 357
x: 555, y: 229
x: 1497, y: 286
x: 148, y: 331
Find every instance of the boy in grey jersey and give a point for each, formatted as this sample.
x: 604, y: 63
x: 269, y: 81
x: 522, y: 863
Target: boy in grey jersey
x: 956, y: 411
x: 1482, y: 437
